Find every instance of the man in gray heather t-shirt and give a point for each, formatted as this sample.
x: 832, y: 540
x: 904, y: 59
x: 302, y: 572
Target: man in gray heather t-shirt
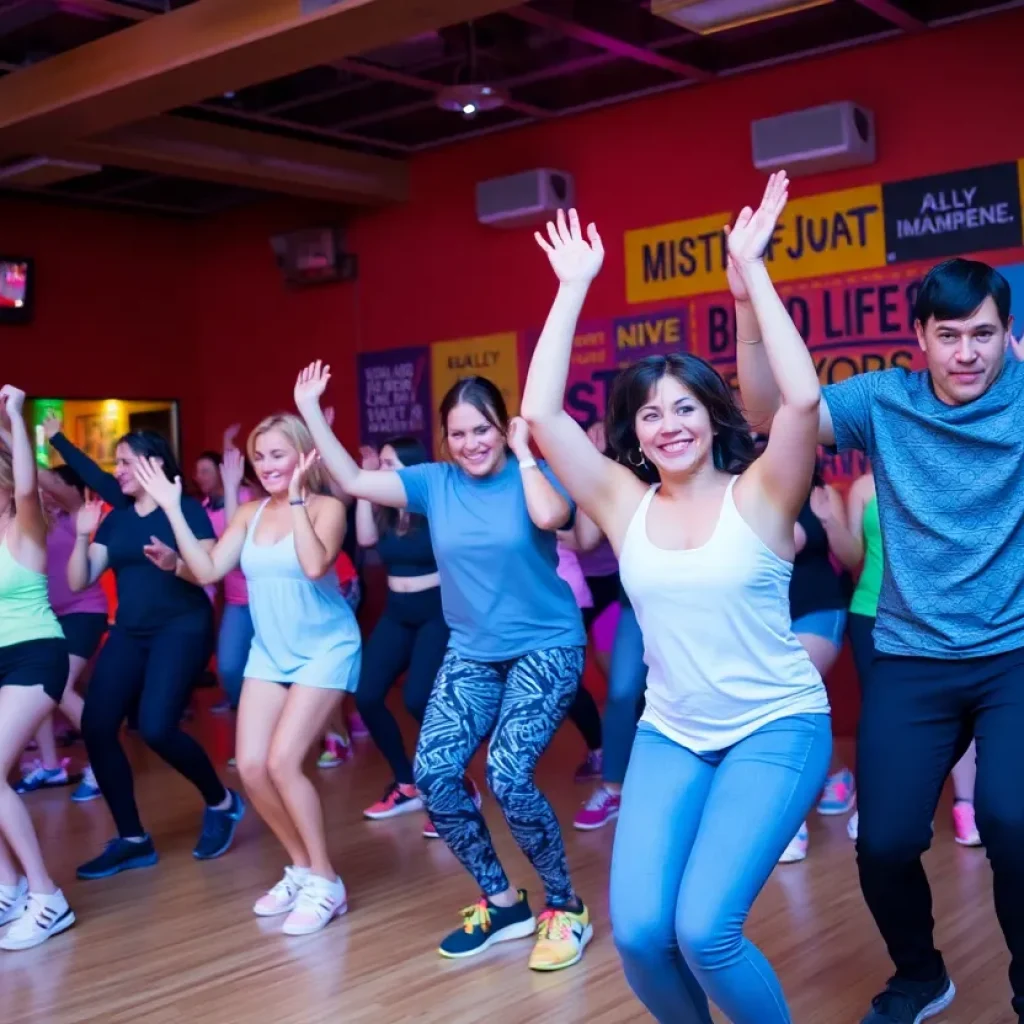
x: 947, y: 450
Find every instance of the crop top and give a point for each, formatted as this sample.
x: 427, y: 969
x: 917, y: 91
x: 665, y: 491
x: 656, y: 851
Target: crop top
x: 407, y: 554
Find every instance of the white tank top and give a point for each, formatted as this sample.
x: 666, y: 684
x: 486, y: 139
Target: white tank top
x: 719, y: 645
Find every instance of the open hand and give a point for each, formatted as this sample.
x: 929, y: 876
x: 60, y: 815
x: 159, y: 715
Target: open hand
x: 370, y: 457
x: 12, y: 399
x: 518, y: 437
x: 297, y: 484
x: 51, y: 425
x: 162, y: 556
x: 311, y: 384
x: 749, y: 236
x: 88, y: 518
x: 232, y: 469
x: 574, y: 259
x: 150, y: 473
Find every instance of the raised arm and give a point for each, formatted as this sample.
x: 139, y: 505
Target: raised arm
x: 318, y: 531
x: 96, y: 479
x: 548, y: 508
x: 206, y: 562
x: 232, y: 472
x: 88, y: 561
x: 596, y: 483
x: 28, y: 509
x: 784, y: 470
x: 383, y: 487
x: 585, y: 535
x: 367, y: 533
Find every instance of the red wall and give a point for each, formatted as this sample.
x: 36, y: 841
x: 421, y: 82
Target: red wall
x: 943, y: 100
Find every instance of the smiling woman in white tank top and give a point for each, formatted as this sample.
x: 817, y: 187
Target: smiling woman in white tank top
x: 735, y: 739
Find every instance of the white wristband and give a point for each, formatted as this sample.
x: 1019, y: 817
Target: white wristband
x: 527, y: 464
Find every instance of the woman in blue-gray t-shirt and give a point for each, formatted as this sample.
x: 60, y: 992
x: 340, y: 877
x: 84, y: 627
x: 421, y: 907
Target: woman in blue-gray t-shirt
x: 514, y: 659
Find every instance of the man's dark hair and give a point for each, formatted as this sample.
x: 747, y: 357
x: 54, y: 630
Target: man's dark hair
x: 955, y: 288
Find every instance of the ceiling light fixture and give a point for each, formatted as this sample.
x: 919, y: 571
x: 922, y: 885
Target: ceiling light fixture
x: 707, y: 16
x: 470, y: 100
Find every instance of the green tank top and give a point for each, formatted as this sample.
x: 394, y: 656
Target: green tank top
x: 865, y: 597
x: 25, y: 612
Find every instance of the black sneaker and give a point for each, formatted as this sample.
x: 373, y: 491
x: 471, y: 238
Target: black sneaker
x: 219, y: 829
x: 910, y: 1002
x: 483, y: 924
x: 120, y: 855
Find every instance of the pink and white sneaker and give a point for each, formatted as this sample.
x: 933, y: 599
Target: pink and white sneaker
x: 429, y: 832
x: 282, y: 897
x: 320, y: 900
x: 796, y: 851
x: 965, y: 828
x: 601, y: 808
x: 840, y: 793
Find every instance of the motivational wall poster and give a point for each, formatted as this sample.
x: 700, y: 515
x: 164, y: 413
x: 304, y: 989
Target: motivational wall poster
x: 394, y: 395
x: 493, y: 356
x: 949, y: 214
x: 817, y: 235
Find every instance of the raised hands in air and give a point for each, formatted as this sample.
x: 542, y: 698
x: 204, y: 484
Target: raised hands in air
x: 518, y: 437
x: 748, y: 238
x: 88, y: 518
x: 574, y: 259
x: 311, y: 384
x: 51, y: 425
x: 232, y: 469
x: 12, y: 400
x: 150, y: 473
x: 297, y: 485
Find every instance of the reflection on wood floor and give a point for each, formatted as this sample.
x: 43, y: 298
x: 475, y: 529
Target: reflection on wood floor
x: 178, y: 942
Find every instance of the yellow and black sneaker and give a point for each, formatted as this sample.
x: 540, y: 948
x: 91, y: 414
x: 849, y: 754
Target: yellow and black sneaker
x: 562, y: 935
x: 484, y: 924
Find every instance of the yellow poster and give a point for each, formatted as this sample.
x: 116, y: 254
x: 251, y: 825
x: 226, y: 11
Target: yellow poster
x: 832, y: 233
x: 494, y: 356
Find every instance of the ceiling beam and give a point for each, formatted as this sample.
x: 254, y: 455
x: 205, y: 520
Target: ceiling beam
x: 610, y: 44
x: 203, y: 50
x: 106, y: 9
x: 185, y: 147
x: 893, y: 14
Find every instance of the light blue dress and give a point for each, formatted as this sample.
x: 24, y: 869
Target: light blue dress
x: 305, y: 631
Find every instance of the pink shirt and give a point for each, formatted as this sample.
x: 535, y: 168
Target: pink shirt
x: 60, y: 542
x: 570, y: 571
x: 235, y: 590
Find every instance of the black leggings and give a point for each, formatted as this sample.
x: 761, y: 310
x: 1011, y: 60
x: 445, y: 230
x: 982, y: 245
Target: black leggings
x: 154, y: 674
x: 411, y: 636
x: 860, y: 629
x: 584, y: 713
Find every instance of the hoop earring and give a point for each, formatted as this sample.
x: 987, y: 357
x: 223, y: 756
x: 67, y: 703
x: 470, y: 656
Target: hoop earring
x: 637, y: 465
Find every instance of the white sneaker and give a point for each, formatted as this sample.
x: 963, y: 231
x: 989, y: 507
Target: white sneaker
x: 281, y: 898
x: 797, y: 849
x: 13, y: 900
x: 46, y: 914
x: 320, y: 900
x: 853, y: 825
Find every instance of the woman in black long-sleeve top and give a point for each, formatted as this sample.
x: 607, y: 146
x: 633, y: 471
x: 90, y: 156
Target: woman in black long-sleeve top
x: 160, y: 642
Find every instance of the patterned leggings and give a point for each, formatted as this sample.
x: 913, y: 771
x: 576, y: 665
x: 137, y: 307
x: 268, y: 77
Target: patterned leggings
x: 525, y: 701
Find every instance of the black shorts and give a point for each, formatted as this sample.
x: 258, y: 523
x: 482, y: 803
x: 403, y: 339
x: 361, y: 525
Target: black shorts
x: 83, y: 632
x: 36, y: 663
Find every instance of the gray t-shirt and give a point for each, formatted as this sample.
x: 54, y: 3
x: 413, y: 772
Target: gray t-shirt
x: 500, y: 589
x: 951, y: 502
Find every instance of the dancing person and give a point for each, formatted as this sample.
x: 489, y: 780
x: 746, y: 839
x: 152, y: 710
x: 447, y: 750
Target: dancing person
x: 735, y: 738
x: 33, y: 673
x: 305, y: 649
x: 817, y: 607
x: 949, y: 634
x: 862, y: 511
x: 410, y: 637
x: 83, y: 621
x: 160, y: 643
x: 513, y: 662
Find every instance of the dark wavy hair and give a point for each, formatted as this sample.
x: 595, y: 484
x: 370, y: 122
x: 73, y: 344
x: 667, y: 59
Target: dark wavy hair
x: 151, y: 445
x: 733, y: 447
x: 484, y: 395
x: 410, y: 452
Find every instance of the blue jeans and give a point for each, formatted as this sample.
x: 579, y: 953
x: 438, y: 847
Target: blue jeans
x: 698, y: 836
x: 627, y: 681
x: 233, y: 643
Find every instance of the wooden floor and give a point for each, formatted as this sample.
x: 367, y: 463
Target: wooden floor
x: 178, y: 942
